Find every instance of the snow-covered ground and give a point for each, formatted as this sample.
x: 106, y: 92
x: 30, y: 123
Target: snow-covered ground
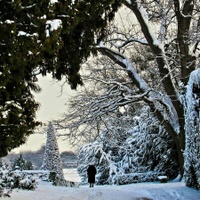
x: 145, y: 191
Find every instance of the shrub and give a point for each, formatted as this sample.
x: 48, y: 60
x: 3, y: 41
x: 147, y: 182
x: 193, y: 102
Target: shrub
x: 15, y: 179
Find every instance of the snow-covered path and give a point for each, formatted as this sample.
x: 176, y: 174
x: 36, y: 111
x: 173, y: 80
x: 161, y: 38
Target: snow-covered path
x: 155, y: 191
x: 145, y: 191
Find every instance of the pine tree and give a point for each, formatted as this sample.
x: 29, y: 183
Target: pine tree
x: 21, y: 164
x: 1, y: 162
x: 52, y: 160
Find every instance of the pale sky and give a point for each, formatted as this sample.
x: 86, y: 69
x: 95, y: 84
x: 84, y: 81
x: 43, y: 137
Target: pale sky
x: 52, y: 105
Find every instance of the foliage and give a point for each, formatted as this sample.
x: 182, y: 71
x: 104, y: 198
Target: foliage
x: 84, y: 25
x: 19, y: 46
x: 39, y: 38
x: 36, y: 157
x: 167, y: 31
x: 136, y: 178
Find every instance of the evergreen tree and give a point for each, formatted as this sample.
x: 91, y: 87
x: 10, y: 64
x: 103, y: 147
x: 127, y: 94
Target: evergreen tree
x: 1, y: 163
x: 29, y: 165
x: 31, y: 45
x: 19, y: 163
x: 52, y: 160
x: 21, y: 39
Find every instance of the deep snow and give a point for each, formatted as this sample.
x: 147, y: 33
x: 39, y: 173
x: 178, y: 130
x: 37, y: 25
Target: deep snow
x: 155, y: 191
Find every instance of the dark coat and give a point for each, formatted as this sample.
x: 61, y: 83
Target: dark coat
x: 91, y: 171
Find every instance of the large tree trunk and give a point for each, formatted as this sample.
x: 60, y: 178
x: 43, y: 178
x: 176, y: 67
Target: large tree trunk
x: 178, y: 137
x: 178, y: 140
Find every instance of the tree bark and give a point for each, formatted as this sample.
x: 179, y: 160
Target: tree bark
x: 184, y: 17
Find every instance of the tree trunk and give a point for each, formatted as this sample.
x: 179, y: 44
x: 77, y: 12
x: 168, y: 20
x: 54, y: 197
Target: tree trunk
x: 179, y: 141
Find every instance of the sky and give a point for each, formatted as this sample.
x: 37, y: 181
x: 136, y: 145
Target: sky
x: 139, y: 191
x: 52, y: 105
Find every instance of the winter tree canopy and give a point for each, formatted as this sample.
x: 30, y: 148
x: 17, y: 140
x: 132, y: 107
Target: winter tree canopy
x: 132, y: 148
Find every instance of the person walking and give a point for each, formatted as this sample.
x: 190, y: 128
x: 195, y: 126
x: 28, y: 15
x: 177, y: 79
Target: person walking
x: 91, y: 172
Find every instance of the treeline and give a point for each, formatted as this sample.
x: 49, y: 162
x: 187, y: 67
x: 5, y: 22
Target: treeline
x: 36, y: 157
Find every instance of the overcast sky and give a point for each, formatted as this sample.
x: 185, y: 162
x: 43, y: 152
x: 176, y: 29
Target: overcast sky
x: 52, y: 104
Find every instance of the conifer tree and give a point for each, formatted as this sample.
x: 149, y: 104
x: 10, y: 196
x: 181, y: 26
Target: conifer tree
x: 20, y: 43
x: 52, y: 160
x: 19, y: 163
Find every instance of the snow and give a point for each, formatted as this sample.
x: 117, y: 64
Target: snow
x: 52, y: 25
x: 22, y: 33
x: 9, y: 21
x: 154, y: 191
x: 53, y: 1
x: 162, y: 177
x: 192, y: 127
x: 195, y: 77
x: 128, y: 1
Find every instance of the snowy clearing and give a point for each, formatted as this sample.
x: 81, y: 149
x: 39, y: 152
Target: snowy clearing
x: 145, y: 191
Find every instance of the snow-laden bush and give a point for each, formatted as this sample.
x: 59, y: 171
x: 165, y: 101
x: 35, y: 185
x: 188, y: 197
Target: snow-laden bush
x: 130, y: 145
x: 28, y: 183
x: 15, y: 179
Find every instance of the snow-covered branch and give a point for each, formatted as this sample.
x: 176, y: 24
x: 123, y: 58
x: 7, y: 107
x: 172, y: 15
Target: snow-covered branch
x: 125, y: 63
